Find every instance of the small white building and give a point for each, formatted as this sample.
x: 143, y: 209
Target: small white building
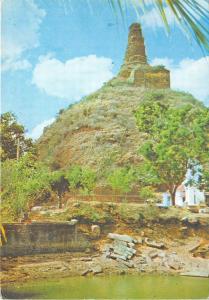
x: 189, y: 196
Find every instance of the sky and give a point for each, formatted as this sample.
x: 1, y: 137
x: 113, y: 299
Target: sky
x: 54, y: 52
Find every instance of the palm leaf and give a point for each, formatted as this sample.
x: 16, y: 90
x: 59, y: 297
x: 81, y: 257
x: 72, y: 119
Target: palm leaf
x: 192, y: 15
x: 3, y: 235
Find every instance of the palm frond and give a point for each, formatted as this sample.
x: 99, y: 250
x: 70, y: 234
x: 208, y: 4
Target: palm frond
x: 192, y: 15
x: 2, y: 235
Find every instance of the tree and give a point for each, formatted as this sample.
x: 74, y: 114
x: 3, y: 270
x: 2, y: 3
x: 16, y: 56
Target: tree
x: 174, y: 138
x: 13, y: 142
x: 23, y: 181
x: 59, y: 184
x: 81, y: 178
x: 121, y: 180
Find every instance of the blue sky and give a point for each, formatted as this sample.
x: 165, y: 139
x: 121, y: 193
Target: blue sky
x: 55, y: 52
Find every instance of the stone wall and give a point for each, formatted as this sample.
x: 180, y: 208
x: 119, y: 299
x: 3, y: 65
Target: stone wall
x: 26, y: 239
x: 152, y: 79
x: 146, y: 76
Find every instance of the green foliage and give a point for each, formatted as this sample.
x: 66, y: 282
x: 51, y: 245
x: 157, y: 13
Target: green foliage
x: 88, y: 180
x: 22, y: 182
x: 81, y: 178
x: 13, y: 142
x: 147, y: 193
x: 146, y: 174
x: 59, y: 184
x: 74, y: 177
x: 191, y: 15
x: 175, y: 136
x: 121, y: 180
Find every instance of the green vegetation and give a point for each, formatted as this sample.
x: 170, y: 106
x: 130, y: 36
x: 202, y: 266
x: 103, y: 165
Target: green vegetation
x: 13, y: 142
x: 81, y: 178
x: 26, y: 182
x: 23, y: 182
x: 95, y: 143
x: 100, y: 132
x: 147, y: 193
x: 59, y: 184
x: 121, y: 180
x: 175, y: 137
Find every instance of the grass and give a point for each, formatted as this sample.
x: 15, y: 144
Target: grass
x: 100, y: 131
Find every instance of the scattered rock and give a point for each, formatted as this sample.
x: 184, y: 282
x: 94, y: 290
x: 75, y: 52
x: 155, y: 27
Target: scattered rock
x: 86, y: 259
x: 129, y: 264
x: 194, y: 209
x: 36, y: 208
x: 140, y: 240
x: 198, y: 273
x: 153, y: 254
x: 193, y: 221
x: 121, y: 248
x: 122, y: 272
x: 73, y: 222
x: 173, y: 262
x: 174, y: 265
x: 96, y: 269
x: 96, y: 231
x: 85, y: 272
x: 154, y: 244
x: 88, y: 250
x: 120, y: 237
x: 76, y: 205
x: 194, y: 247
x: 204, y: 210
x: 201, y: 251
x: 183, y: 229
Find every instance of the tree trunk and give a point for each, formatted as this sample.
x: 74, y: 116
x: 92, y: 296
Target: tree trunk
x: 18, y: 149
x: 173, y: 200
x: 173, y: 194
x: 60, y: 201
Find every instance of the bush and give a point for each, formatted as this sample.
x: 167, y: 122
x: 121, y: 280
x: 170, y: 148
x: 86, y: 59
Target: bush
x: 81, y: 178
x: 121, y: 180
x: 22, y: 182
x: 147, y: 193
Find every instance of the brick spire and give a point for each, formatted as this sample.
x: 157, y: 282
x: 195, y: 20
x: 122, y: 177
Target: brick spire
x: 135, y: 52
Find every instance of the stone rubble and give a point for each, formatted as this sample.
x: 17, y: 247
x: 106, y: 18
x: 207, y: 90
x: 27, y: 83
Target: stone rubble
x: 121, y: 249
x: 154, y: 244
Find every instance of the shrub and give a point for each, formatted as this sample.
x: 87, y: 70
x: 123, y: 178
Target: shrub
x: 22, y: 182
x: 147, y: 193
x: 81, y: 178
x: 121, y: 180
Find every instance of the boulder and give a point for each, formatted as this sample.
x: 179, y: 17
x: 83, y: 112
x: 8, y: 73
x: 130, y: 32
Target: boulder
x: 86, y: 259
x: 85, y: 272
x: 121, y: 237
x: 153, y: 254
x: 96, y: 269
x: 154, y: 244
x: 129, y: 264
x: 96, y: 231
x: 196, y: 273
x: 36, y: 208
x: 73, y: 222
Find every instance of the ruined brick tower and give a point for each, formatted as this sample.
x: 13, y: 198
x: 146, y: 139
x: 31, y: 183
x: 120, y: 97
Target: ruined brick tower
x: 135, y: 69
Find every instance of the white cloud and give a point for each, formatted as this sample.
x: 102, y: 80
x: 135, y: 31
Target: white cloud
x: 189, y: 75
x: 74, y: 78
x: 153, y: 19
x: 38, y: 130
x: 16, y: 65
x: 20, y: 31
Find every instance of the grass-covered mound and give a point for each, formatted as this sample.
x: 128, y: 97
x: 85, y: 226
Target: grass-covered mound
x: 100, y: 131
